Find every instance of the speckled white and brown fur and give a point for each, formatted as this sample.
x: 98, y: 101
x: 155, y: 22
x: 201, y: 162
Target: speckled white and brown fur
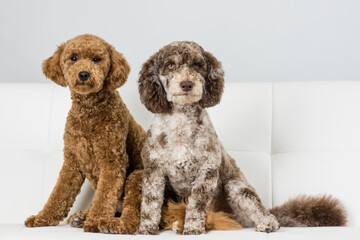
x: 182, y: 147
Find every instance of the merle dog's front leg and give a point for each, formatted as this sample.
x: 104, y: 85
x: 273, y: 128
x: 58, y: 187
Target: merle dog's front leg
x: 152, y: 199
x: 199, y: 201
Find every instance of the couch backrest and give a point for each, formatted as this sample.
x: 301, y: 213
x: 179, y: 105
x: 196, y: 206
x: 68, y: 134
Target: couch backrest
x: 288, y: 138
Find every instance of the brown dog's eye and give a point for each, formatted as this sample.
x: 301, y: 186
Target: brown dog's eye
x: 171, y: 66
x: 96, y: 60
x: 73, y: 58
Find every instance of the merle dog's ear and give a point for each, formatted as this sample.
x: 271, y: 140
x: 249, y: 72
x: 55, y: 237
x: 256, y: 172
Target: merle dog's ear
x: 52, y: 69
x: 152, y: 92
x: 214, y: 82
x: 119, y: 69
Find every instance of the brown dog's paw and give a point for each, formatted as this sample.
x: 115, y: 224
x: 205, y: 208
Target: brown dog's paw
x: 37, y: 221
x: 116, y: 226
x: 77, y: 219
x: 91, y: 225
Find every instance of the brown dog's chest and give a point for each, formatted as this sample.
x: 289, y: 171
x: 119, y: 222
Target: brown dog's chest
x: 80, y: 137
x: 82, y: 148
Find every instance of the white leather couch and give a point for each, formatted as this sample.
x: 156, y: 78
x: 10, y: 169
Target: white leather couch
x: 288, y: 138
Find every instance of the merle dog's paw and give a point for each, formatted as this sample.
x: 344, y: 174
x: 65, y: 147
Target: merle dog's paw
x: 268, y: 224
x: 193, y: 229
x: 145, y: 229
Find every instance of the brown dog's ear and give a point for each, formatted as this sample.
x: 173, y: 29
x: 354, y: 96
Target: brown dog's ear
x: 119, y: 69
x: 51, y: 67
x: 214, y: 82
x: 152, y: 92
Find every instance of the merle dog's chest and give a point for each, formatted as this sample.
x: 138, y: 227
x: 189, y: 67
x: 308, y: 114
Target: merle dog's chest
x: 178, y: 150
x: 182, y: 167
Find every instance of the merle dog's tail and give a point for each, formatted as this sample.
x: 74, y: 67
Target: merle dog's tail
x: 310, y: 211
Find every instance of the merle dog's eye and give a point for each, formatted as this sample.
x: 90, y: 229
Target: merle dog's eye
x: 197, y: 64
x: 171, y: 66
x: 96, y: 60
x: 73, y: 58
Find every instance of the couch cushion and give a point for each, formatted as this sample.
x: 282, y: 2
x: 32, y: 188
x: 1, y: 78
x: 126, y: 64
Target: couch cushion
x: 335, y: 173
x: 316, y: 116
x: 27, y: 178
x: 60, y: 106
x: 21, y: 183
x: 316, y: 142
x: 20, y: 232
x: 24, y: 110
x: 311, y: 128
x: 243, y: 123
x: 257, y: 170
x: 242, y: 120
x: 316, y: 233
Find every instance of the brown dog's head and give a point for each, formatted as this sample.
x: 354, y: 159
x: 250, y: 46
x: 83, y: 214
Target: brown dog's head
x: 87, y: 64
x: 180, y: 73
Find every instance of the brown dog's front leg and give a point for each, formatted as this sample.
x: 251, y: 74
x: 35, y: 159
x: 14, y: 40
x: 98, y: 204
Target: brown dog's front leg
x: 63, y: 195
x: 109, y: 188
x: 130, y: 216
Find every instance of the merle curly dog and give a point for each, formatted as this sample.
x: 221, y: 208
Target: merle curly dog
x: 182, y: 150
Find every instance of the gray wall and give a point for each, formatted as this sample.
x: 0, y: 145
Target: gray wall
x: 256, y: 40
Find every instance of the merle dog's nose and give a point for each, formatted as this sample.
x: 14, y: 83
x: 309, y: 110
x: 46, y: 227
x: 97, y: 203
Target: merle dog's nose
x: 83, y: 76
x: 186, y: 86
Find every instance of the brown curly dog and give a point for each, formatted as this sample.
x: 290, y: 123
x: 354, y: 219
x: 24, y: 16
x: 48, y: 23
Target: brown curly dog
x: 102, y: 140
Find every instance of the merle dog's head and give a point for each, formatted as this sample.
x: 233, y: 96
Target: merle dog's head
x: 180, y: 73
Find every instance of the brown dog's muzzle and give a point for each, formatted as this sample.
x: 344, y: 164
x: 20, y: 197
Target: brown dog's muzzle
x: 84, y: 76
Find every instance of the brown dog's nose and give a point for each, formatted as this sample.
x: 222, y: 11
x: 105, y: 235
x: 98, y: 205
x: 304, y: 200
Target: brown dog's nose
x: 186, y: 86
x: 83, y: 76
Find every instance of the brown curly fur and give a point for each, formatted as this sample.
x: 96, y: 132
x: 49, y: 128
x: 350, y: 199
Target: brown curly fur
x: 102, y: 140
